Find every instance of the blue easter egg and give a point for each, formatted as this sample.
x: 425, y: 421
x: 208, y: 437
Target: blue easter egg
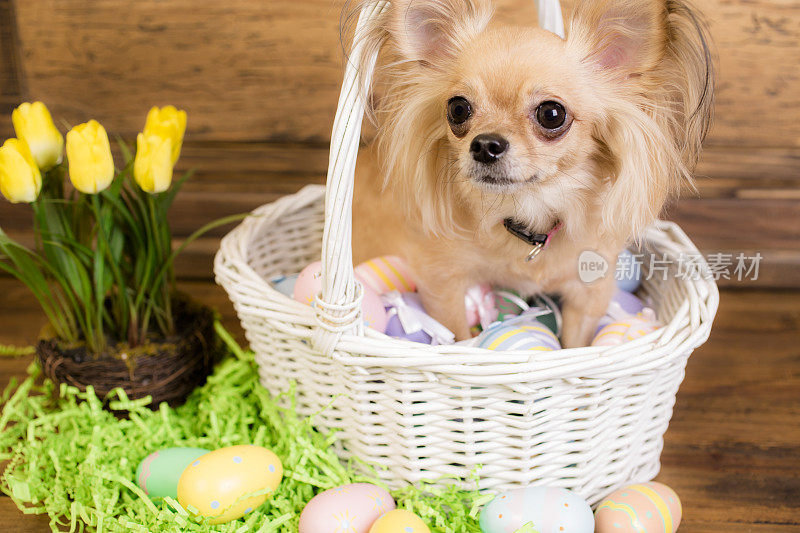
x: 629, y: 271
x: 285, y: 284
x: 523, y: 333
x: 546, y: 509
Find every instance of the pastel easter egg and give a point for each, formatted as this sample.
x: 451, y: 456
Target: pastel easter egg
x: 627, y: 329
x: 309, y: 284
x: 352, y: 508
x: 546, y: 509
x: 480, y: 306
x: 387, y: 273
x: 158, y: 473
x: 285, y: 284
x: 394, y: 327
x: 221, y: 484
x: 623, y: 305
x: 627, y: 302
x: 399, y: 521
x: 512, y: 335
x: 629, y: 271
x: 645, y: 508
x: 373, y: 311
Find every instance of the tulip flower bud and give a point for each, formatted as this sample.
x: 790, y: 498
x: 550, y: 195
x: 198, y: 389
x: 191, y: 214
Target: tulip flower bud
x: 91, y: 166
x: 20, y: 178
x: 169, y: 123
x: 34, y: 125
x: 152, y: 167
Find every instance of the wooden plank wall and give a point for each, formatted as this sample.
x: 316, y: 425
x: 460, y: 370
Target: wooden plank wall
x: 260, y: 81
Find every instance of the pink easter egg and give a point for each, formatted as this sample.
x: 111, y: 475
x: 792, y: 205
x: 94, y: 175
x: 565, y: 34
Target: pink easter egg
x: 627, y: 329
x: 353, y: 508
x: 387, y: 273
x: 373, y: 311
x: 309, y: 284
x: 481, y: 306
x: 646, y: 507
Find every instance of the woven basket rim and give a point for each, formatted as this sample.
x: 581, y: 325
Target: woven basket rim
x: 676, y: 337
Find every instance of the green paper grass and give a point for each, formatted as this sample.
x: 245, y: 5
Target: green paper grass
x: 75, y: 461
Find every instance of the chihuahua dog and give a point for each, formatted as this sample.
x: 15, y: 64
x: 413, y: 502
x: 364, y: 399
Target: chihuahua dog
x: 492, y: 139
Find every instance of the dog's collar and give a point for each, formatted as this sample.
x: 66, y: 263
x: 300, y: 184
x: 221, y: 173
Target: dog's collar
x: 538, y: 240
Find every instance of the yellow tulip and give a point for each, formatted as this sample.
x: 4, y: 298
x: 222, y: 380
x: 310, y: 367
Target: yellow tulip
x: 91, y: 166
x: 20, y: 179
x: 34, y: 125
x: 152, y: 167
x: 167, y: 123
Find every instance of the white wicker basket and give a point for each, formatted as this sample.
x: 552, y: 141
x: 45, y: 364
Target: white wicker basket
x: 588, y: 419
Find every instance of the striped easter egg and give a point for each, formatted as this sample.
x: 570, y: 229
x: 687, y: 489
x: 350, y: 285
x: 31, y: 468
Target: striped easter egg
x: 627, y: 329
x: 385, y: 274
x: 528, y: 336
x: 645, y: 508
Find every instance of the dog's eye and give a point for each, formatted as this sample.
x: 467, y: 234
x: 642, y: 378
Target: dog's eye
x: 458, y: 110
x: 551, y: 115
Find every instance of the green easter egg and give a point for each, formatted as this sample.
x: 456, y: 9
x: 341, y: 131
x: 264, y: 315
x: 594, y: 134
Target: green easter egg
x: 159, y: 472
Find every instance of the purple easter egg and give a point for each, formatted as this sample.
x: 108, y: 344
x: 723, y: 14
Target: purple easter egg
x: 627, y: 302
x: 395, y: 329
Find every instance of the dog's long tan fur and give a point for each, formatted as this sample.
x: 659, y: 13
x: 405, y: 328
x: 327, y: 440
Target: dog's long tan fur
x: 635, y: 79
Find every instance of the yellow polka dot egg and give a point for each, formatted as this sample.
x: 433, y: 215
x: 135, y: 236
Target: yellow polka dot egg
x: 399, y: 521
x: 228, y: 483
x: 644, y: 508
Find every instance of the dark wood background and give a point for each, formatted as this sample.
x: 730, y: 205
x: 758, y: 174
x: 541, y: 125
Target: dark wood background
x: 260, y: 82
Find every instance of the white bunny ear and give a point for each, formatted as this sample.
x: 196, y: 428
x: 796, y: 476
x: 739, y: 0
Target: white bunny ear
x: 550, y: 17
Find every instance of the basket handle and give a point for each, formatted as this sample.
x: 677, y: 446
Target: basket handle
x: 338, y: 308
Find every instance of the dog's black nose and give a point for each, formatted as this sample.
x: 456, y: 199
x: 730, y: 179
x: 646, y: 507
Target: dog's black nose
x: 488, y: 147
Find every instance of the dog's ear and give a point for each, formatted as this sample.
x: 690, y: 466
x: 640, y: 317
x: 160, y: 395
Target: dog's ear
x: 627, y: 37
x: 652, y: 59
x: 429, y: 31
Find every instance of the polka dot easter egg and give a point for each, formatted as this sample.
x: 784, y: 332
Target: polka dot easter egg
x: 627, y: 329
x: 347, y: 509
x: 546, y: 509
x: 399, y: 521
x: 385, y: 274
x: 159, y: 472
x: 222, y: 484
x: 513, y: 335
x: 645, y: 508
x: 309, y: 284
